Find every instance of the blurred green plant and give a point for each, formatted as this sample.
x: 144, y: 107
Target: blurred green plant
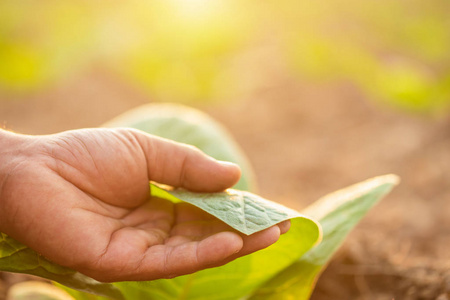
x: 395, y: 51
x: 41, y: 41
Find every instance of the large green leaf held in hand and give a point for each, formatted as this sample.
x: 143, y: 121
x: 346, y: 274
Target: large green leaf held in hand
x: 244, y: 211
x: 247, y: 213
x: 281, y: 271
x: 295, y: 277
x: 338, y: 213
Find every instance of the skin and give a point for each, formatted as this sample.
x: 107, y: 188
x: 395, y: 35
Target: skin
x: 81, y: 199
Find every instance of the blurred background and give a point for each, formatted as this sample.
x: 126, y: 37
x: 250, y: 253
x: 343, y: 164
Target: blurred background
x: 319, y: 94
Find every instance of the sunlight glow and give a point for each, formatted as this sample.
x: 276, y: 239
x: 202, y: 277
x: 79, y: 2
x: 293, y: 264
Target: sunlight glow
x: 197, y: 11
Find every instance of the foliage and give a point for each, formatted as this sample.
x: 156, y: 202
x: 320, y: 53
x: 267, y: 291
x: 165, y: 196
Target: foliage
x: 41, y: 42
x: 242, y: 210
x: 287, y: 269
x: 281, y: 271
x: 245, y: 275
x: 395, y: 51
x: 338, y: 213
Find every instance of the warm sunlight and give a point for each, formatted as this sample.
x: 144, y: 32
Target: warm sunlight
x: 197, y: 11
x: 306, y: 97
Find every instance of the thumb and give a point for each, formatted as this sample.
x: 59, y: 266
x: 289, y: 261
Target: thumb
x: 182, y: 165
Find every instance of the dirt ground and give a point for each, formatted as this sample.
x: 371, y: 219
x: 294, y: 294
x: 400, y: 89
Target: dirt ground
x: 304, y: 141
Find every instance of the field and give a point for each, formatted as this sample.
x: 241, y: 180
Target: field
x: 305, y: 140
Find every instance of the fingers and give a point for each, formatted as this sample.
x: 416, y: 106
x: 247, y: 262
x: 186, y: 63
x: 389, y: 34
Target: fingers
x: 260, y: 240
x: 167, y: 261
x: 149, y: 251
x: 257, y: 241
x: 284, y: 226
x: 185, y: 166
x: 178, y: 255
x: 207, y: 253
x: 186, y: 257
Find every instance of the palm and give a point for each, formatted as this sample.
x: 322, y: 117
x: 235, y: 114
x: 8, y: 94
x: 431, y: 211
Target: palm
x: 95, y: 213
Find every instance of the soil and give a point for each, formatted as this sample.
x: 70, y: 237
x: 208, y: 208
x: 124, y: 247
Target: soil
x: 304, y: 141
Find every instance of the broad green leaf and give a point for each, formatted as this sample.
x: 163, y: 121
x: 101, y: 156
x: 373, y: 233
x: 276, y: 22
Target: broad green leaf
x: 18, y: 258
x: 244, y: 211
x: 241, y: 277
x: 338, y: 213
x: 236, y: 280
x: 283, y: 270
x: 190, y: 126
x: 247, y: 213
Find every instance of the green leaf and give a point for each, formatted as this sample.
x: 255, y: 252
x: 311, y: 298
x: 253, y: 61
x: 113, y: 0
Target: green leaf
x: 244, y: 211
x: 247, y: 213
x: 235, y: 280
x: 18, y: 258
x: 190, y: 126
x: 241, y: 277
x: 281, y: 271
x: 338, y: 213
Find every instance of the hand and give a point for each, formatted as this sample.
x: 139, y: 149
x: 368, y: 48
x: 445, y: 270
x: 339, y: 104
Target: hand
x: 81, y: 199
